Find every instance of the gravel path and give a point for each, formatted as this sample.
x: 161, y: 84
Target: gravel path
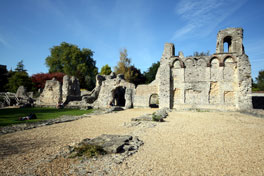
x: 187, y: 143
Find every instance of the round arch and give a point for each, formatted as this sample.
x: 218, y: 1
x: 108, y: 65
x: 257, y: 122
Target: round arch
x: 154, y: 100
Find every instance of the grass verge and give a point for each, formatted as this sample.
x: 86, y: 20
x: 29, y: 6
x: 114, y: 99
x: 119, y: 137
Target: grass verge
x: 11, y: 116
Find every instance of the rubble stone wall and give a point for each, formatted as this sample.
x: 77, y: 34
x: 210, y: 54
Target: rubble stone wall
x: 220, y: 81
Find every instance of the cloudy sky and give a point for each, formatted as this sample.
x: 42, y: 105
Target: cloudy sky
x: 29, y: 28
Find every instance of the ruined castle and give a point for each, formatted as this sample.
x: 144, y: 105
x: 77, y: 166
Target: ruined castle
x: 220, y: 81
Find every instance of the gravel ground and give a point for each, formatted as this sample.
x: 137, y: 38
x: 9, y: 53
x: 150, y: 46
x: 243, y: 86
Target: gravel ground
x: 187, y: 143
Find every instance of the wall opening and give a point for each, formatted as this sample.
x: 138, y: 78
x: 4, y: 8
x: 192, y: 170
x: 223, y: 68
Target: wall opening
x: 118, y: 95
x: 154, y: 101
x: 227, y: 44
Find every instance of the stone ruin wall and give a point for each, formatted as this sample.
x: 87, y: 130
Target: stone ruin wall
x: 113, y: 88
x: 220, y: 81
x: 54, y: 92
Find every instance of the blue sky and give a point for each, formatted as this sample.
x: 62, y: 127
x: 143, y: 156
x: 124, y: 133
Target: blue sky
x: 29, y: 28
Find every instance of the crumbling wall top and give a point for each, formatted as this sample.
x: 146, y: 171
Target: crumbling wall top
x: 233, y: 37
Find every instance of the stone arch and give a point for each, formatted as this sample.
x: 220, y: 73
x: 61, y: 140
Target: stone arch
x: 228, y: 41
x: 178, y: 63
x: 214, y: 68
x: 118, y: 96
x: 154, y: 100
x: 189, y: 62
x: 229, y: 68
x: 201, y: 62
x: 209, y: 64
x: 228, y: 57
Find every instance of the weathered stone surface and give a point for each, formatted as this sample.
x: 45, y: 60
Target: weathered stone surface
x: 160, y: 113
x: 70, y: 89
x: 21, y: 92
x: 163, y: 112
x: 115, y: 91
x: 145, y: 117
x: 52, y: 93
x: 125, y: 145
x: 220, y: 81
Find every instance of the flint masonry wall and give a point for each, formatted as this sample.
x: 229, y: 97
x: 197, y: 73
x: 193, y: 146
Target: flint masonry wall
x: 220, y: 81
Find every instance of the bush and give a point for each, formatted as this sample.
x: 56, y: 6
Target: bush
x: 157, y: 118
x: 39, y: 79
x: 88, y: 151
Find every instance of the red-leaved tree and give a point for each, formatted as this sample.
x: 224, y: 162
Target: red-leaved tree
x: 39, y: 79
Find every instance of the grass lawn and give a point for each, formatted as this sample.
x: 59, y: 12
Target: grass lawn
x: 11, y: 116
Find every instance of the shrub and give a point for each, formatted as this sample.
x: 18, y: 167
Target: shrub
x: 157, y: 118
x: 88, y: 151
x: 39, y: 79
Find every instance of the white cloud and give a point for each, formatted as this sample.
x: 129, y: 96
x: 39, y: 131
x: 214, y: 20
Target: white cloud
x: 203, y: 15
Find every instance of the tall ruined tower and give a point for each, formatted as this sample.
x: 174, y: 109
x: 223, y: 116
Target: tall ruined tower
x: 219, y: 81
x: 234, y: 39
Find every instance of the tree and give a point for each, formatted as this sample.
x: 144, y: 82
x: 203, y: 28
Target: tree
x: 134, y: 75
x: 150, y: 74
x: 123, y: 64
x: 105, y: 70
x: 71, y: 60
x: 19, y: 78
x: 3, y: 78
x: 20, y: 67
x: 130, y: 72
x: 40, y: 79
x: 260, y: 81
x: 196, y: 53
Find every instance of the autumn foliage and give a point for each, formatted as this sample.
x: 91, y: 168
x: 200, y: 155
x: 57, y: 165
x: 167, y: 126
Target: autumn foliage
x: 39, y: 79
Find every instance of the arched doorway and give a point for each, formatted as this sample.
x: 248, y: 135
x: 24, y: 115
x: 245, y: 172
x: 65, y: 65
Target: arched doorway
x: 154, y: 101
x: 118, y: 95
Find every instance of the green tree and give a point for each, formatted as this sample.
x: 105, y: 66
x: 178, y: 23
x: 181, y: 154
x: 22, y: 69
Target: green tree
x: 260, y: 81
x: 123, y: 64
x: 134, y: 76
x: 150, y: 74
x: 3, y: 78
x: 19, y: 78
x: 20, y: 67
x: 71, y: 60
x: 105, y: 70
x: 130, y: 72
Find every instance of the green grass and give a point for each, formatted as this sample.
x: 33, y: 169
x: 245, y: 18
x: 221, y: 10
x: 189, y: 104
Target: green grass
x: 11, y: 116
x: 88, y: 150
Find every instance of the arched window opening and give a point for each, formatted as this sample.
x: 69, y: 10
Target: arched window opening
x: 227, y: 44
x: 154, y: 101
x: 118, y: 95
